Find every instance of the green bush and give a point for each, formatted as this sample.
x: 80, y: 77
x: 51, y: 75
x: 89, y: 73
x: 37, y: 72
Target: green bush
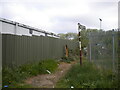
x: 12, y: 76
x: 50, y: 65
x: 88, y: 76
x: 67, y: 59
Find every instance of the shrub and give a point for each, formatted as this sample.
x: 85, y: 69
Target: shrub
x: 11, y: 76
x: 88, y: 76
x: 67, y: 59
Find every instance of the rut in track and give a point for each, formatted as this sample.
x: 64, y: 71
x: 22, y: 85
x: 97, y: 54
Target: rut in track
x: 50, y: 80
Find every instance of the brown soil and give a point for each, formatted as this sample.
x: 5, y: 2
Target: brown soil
x: 50, y: 80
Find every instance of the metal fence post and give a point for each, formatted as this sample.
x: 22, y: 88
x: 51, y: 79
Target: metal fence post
x: 0, y: 60
x: 113, y: 56
x: 90, y: 45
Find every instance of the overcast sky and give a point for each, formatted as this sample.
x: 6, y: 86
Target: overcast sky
x: 61, y: 16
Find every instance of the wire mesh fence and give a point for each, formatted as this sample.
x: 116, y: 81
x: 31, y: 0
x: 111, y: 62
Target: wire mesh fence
x: 102, y: 48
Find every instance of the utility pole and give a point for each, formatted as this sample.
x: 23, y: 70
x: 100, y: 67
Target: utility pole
x: 79, y: 36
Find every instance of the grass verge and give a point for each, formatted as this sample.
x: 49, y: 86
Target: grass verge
x: 14, y: 77
x: 88, y: 76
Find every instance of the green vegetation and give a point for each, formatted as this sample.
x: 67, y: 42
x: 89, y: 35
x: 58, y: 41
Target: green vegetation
x: 74, y: 37
x: 88, y: 76
x: 73, y: 55
x: 66, y: 59
x: 68, y: 36
x: 107, y: 39
x: 13, y: 77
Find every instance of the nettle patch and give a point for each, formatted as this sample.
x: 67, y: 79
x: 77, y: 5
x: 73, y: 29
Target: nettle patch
x: 13, y: 76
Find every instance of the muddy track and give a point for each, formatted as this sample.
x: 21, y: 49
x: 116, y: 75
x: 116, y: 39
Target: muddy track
x: 50, y: 80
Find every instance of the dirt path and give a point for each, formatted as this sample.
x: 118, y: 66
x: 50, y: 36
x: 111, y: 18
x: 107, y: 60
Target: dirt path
x: 50, y: 80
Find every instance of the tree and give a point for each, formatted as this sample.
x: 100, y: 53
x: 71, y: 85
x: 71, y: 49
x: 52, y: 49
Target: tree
x: 74, y: 37
x: 69, y: 36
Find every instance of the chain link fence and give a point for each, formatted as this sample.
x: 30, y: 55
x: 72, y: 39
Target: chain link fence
x: 102, y: 48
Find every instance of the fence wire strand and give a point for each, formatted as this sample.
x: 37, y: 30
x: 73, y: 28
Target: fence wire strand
x: 102, y: 49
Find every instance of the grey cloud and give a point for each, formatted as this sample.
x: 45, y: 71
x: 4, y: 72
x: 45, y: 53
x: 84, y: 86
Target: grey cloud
x: 35, y: 4
x: 69, y: 24
x: 87, y: 20
x: 5, y: 12
x: 65, y: 23
x: 103, y: 5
